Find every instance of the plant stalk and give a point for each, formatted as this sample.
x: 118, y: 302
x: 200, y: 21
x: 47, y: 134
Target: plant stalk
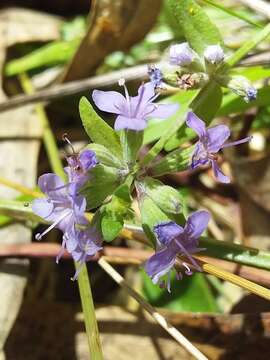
x: 83, y: 278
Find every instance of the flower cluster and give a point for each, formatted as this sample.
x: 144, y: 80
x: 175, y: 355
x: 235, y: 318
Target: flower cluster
x: 189, y: 70
x: 64, y: 207
x: 133, y: 112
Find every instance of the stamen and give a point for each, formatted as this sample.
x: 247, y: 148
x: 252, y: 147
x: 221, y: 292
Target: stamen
x: 238, y: 142
x: 188, y: 270
x: 75, y: 276
x: 122, y: 82
x: 39, y: 236
x: 139, y: 101
x: 65, y: 138
x: 186, y: 253
x: 169, y: 282
x: 62, y: 250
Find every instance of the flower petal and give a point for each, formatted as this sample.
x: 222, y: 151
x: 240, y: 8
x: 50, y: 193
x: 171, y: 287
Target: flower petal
x: 216, y: 137
x: 71, y: 239
x: 163, y: 111
x: 167, y: 231
x: 160, y: 264
x: 42, y: 208
x: 219, y: 174
x: 198, y: 157
x: 145, y: 93
x: 79, y: 209
x: 49, y: 182
x: 110, y: 101
x: 196, y: 224
x: 196, y: 124
x: 123, y: 122
x: 88, y: 159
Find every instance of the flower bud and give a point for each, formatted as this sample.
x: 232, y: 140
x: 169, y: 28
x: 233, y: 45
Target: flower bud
x: 155, y: 75
x: 181, y: 54
x: 242, y: 87
x: 214, y: 54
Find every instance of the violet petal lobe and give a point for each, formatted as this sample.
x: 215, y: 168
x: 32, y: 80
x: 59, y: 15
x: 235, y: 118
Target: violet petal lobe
x: 219, y: 174
x: 160, y: 263
x: 195, y: 123
x: 79, y: 210
x: 124, y: 122
x: 145, y: 93
x: 52, y: 183
x: 88, y: 159
x: 43, y: 208
x: 216, y: 137
x: 109, y: 101
x: 167, y: 231
x: 196, y: 224
x: 163, y: 111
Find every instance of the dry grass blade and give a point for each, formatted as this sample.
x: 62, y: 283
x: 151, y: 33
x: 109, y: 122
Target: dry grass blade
x: 181, y: 339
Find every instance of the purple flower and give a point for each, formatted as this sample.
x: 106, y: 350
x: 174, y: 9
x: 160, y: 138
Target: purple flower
x: 132, y: 111
x: 211, y: 140
x: 59, y: 206
x: 81, y: 244
x: 173, y: 241
x: 181, y: 54
x: 214, y: 54
x: 155, y: 76
x: 79, y: 165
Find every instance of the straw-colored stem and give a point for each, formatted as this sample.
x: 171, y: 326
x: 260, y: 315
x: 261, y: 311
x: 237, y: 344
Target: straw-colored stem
x: 180, y: 338
x: 237, y: 280
x: 20, y: 188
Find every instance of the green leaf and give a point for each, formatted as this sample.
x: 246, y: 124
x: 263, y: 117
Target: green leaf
x: 110, y: 227
x: 197, y: 27
x: 205, y: 105
x: 165, y: 197
x: 103, y: 181
x: 105, y: 156
x: 178, y: 160
x: 191, y: 294
x: 114, y: 213
x: 97, y: 129
x: 151, y: 214
x: 131, y: 142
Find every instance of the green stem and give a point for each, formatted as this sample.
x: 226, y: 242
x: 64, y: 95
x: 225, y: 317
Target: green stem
x: 83, y: 278
x: 236, y: 253
x: 89, y: 314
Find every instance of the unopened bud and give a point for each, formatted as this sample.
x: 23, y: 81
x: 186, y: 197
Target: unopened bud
x: 181, y: 54
x: 214, y: 54
x: 155, y: 75
x: 242, y: 87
